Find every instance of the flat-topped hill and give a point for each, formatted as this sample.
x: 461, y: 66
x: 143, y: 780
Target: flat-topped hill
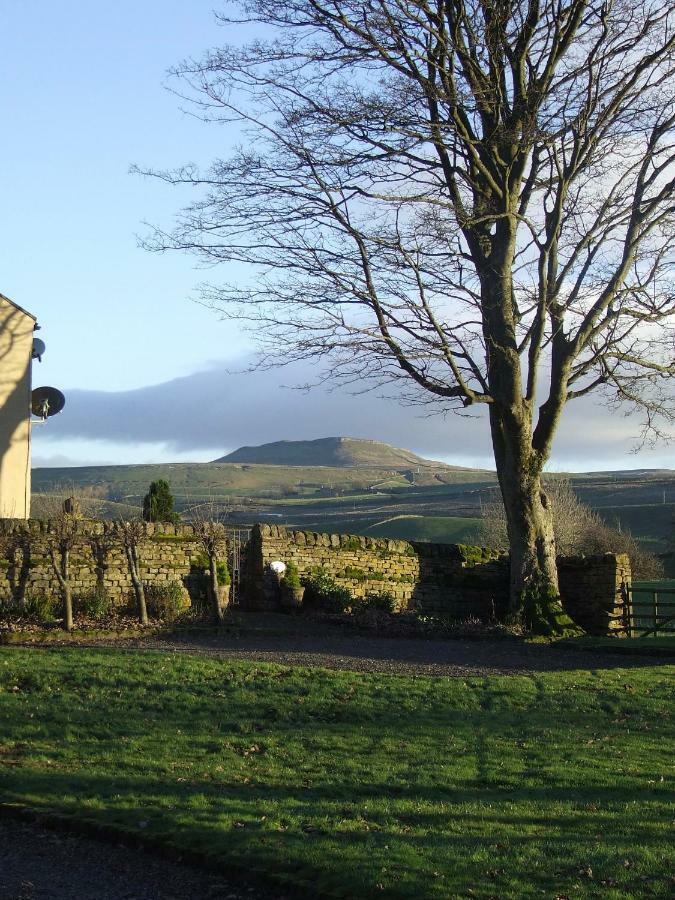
x: 331, y: 451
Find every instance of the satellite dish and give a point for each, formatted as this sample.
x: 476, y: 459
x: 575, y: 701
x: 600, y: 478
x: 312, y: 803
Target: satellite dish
x: 38, y: 349
x: 46, y: 401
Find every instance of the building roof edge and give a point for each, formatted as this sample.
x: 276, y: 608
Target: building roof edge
x: 20, y: 308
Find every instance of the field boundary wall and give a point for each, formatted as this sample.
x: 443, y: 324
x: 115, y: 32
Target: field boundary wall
x: 452, y: 580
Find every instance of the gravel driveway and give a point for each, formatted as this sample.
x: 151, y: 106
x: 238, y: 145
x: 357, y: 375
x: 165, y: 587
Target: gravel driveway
x: 404, y: 656
x: 37, y: 863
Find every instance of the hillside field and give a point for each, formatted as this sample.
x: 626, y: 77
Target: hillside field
x: 421, y: 502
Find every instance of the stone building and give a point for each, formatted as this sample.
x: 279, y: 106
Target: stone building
x: 16, y: 348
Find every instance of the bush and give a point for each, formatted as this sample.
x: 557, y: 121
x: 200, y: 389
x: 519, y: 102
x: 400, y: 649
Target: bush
x: 42, y: 607
x: 384, y: 601
x: 578, y: 530
x: 165, y: 601
x: 291, y: 579
x: 323, y: 592
x: 200, y: 562
x: 95, y: 604
x: 37, y: 607
x: 223, y: 573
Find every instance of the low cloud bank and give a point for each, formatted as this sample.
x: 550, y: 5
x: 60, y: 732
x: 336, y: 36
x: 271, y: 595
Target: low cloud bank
x: 219, y: 408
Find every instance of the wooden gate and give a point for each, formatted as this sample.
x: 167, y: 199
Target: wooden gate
x: 649, y: 609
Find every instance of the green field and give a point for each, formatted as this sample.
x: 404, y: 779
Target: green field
x: 654, y: 525
x: 353, y: 785
x: 437, y: 529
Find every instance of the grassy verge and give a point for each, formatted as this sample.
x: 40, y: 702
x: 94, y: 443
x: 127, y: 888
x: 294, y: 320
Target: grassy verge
x: 661, y: 646
x: 355, y: 785
x: 59, y: 636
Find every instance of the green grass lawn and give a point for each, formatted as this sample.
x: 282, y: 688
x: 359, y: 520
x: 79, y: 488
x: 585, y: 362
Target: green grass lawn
x: 554, y: 785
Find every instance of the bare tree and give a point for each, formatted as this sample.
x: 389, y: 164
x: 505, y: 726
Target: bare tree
x: 131, y: 534
x: 101, y: 542
x: 211, y: 536
x: 16, y: 547
x: 475, y: 196
x: 62, y: 538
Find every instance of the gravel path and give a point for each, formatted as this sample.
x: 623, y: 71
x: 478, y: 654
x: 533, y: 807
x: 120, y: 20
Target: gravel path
x: 41, y: 864
x: 458, y: 658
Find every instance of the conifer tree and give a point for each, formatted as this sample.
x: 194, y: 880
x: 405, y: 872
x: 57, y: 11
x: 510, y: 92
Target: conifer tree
x: 158, y: 503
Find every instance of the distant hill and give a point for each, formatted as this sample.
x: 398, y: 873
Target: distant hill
x: 333, y: 451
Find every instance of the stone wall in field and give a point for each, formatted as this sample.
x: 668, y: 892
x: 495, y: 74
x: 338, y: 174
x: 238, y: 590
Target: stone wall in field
x: 167, y: 553
x: 593, y: 590
x: 444, y: 579
x: 437, y: 579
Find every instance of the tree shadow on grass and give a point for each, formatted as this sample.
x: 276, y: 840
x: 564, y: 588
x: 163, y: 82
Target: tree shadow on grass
x: 318, y: 837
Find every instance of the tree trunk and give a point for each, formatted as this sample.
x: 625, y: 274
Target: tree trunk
x: 101, y: 568
x: 139, y: 590
x: 534, y: 596
x: 520, y: 454
x: 18, y: 572
x: 61, y: 566
x: 214, y: 590
x: 67, y: 607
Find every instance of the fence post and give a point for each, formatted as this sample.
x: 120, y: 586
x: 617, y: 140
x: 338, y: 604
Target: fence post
x: 624, y: 592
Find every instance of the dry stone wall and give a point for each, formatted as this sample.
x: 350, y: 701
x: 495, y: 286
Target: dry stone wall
x: 436, y: 579
x: 167, y: 553
x: 593, y: 588
x: 441, y: 579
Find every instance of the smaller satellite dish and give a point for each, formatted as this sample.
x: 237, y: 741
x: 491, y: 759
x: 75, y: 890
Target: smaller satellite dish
x: 46, y: 401
x: 38, y: 349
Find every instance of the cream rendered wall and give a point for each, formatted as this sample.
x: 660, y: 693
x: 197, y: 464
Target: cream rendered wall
x: 16, y: 344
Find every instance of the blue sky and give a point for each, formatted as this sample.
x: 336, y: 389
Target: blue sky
x: 82, y: 99
x: 144, y: 369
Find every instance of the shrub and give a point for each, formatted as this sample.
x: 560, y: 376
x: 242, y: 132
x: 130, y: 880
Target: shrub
x: 200, y: 562
x: 323, y: 592
x: 95, y: 604
x: 578, y: 530
x: 38, y: 607
x: 382, y: 601
x: 42, y: 607
x: 165, y: 601
x: 223, y: 572
x: 291, y: 579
